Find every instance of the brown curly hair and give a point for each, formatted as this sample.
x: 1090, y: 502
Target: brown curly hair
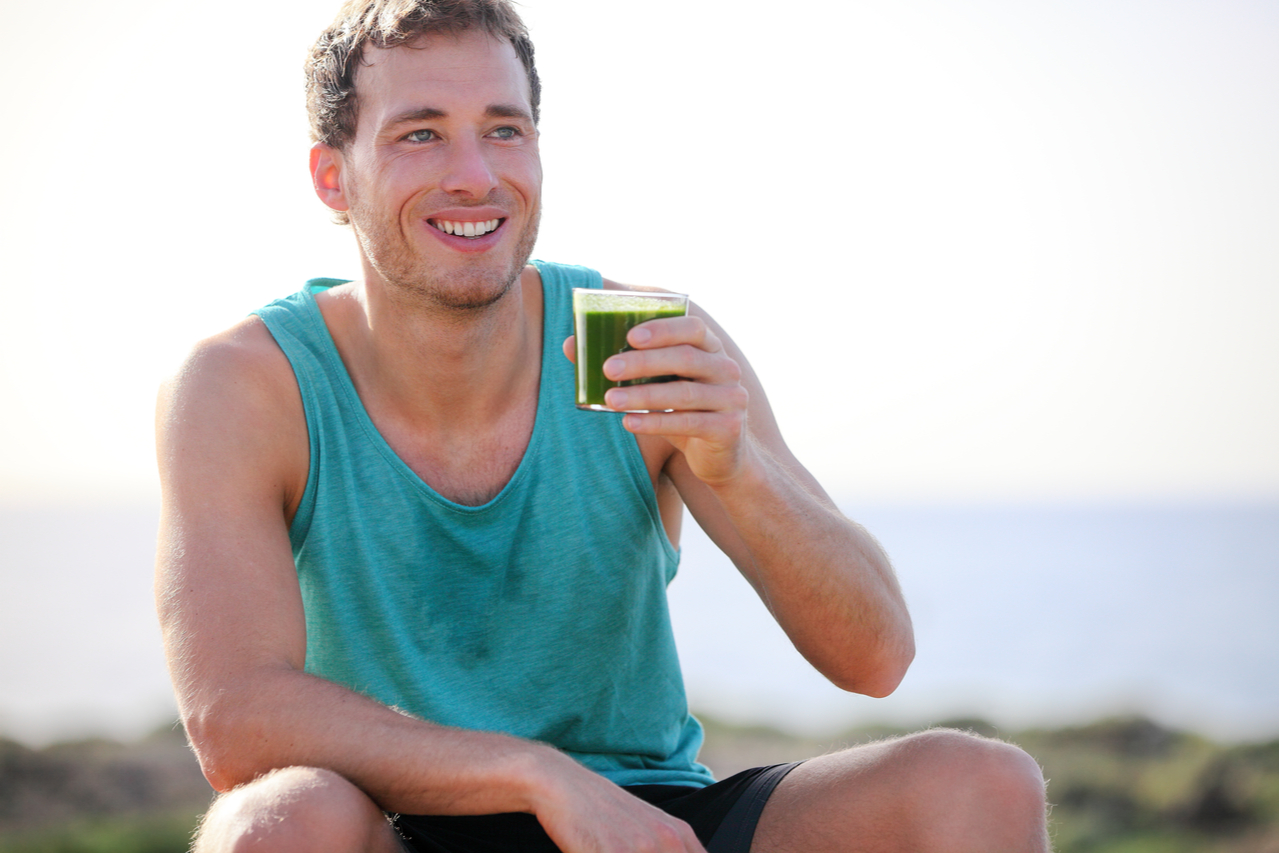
x: 331, y: 66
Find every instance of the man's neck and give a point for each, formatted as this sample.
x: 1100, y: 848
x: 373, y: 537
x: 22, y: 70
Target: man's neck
x: 455, y: 396
x: 438, y: 367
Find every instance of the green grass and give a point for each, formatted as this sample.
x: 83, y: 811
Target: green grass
x: 169, y: 833
x: 1127, y: 786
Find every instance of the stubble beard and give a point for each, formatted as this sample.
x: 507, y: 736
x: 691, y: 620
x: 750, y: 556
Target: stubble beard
x: 465, y: 290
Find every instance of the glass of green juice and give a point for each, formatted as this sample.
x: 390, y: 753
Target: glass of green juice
x: 601, y: 320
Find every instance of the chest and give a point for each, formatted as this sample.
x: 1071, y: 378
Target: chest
x: 468, y: 466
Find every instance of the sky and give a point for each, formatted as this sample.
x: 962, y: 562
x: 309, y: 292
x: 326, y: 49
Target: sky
x: 992, y: 252
x: 984, y: 251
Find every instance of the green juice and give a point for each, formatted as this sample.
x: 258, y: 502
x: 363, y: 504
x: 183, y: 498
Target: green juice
x: 602, y: 319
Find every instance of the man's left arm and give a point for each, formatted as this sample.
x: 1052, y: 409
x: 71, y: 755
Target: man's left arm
x: 823, y: 577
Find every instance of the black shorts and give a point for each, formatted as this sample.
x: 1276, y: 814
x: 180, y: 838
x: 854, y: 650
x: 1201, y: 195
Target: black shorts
x: 722, y: 815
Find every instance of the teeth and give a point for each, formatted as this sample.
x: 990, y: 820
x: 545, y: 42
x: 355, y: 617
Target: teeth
x: 466, y: 229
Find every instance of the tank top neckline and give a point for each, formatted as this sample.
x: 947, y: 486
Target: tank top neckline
x: 552, y: 302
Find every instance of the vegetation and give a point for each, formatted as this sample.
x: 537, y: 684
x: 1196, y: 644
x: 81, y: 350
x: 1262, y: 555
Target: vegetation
x: 99, y: 796
x: 1117, y: 786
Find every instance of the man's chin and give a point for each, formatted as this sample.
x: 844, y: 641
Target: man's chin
x: 460, y: 291
x: 473, y: 290
x: 464, y: 303
x: 458, y: 285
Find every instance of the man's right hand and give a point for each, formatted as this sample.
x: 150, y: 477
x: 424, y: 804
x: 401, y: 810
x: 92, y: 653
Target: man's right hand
x: 585, y: 813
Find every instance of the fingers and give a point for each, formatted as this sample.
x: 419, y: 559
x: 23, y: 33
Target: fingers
x: 672, y: 331
x: 604, y: 819
x: 720, y: 429
x: 708, y: 402
x: 710, y: 381
x: 689, y: 398
x: 661, y: 333
x: 678, y: 346
x: 683, y: 360
x: 661, y: 834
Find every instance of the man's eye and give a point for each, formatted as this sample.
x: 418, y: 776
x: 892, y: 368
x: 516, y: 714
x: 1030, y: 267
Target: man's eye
x: 421, y: 136
x: 506, y: 132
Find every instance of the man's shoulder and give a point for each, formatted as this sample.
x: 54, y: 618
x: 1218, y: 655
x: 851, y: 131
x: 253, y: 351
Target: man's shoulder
x: 238, y: 369
x: 576, y: 275
x: 555, y: 273
x: 244, y: 351
x: 232, y: 412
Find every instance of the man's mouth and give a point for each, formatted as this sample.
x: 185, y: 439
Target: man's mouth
x: 465, y: 229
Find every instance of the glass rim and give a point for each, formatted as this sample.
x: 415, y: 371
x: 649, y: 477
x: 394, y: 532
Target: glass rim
x: 638, y: 295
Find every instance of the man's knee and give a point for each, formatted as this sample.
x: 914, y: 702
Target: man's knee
x: 295, y: 808
x: 979, y: 785
x: 940, y: 790
x: 997, y: 766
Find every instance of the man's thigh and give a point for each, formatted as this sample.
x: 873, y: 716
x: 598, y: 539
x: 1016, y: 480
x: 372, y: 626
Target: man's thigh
x: 936, y: 790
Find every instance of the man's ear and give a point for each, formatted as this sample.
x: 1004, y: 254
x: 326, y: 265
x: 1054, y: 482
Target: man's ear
x: 326, y: 175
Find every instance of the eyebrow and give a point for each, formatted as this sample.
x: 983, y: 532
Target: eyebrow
x: 507, y: 111
x: 434, y: 114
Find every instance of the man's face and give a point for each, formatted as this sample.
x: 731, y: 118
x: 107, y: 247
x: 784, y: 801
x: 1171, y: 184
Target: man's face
x: 443, y: 180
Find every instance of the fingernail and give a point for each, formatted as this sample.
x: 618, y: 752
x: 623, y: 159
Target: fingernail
x: 613, y: 368
x: 615, y: 399
x: 640, y: 335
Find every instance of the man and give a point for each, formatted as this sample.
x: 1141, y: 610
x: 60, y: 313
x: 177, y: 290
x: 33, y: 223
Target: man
x: 399, y: 574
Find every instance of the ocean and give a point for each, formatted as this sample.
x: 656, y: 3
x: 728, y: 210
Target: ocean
x: 1029, y: 615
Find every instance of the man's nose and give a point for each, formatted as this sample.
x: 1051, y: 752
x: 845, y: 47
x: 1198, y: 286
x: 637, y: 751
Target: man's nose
x: 469, y: 171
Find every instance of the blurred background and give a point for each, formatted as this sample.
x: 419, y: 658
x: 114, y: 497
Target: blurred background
x: 1008, y: 271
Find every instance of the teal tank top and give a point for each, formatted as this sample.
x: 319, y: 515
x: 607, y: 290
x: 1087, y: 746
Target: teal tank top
x: 541, y: 614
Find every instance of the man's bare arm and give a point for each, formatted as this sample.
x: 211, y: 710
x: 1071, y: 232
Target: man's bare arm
x: 824, y: 578
x: 233, y: 455
x: 233, y: 460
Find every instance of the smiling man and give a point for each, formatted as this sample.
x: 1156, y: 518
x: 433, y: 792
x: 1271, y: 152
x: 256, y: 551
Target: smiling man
x: 413, y: 599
